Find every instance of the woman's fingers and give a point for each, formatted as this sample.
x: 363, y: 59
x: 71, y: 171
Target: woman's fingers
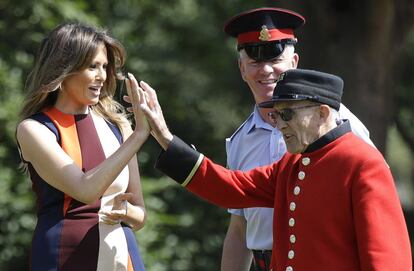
x: 126, y: 98
x: 136, y: 98
x: 132, y: 86
x: 123, y: 196
x: 110, y: 218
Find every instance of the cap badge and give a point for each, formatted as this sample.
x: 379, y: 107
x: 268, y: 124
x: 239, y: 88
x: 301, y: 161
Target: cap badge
x: 264, y: 34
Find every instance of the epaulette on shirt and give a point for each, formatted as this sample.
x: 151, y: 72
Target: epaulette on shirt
x: 240, y: 127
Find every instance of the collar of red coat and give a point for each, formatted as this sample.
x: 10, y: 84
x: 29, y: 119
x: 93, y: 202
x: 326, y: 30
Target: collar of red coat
x: 343, y: 128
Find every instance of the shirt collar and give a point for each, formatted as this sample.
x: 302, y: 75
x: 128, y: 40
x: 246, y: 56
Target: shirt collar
x: 333, y: 134
x: 258, y: 122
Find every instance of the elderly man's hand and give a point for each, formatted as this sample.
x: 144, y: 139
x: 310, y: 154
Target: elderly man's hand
x: 153, y: 112
x: 143, y: 98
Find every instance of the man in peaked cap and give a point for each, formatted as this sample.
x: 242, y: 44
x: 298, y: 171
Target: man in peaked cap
x: 336, y: 204
x: 265, y: 41
x: 264, y: 32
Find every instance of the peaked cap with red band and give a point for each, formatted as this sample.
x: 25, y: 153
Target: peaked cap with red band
x: 263, y: 28
x: 246, y: 26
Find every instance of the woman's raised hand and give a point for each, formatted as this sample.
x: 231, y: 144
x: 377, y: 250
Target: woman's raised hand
x: 137, y: 98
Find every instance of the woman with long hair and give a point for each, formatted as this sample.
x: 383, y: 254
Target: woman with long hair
x: 80, y: 151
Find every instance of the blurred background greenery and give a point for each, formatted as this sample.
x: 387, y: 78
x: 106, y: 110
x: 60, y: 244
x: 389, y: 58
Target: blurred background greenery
x: 179, y: 47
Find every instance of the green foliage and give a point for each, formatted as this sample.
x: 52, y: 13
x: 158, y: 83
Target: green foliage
x: 404, y: 114
x: 16, y: 201
x: 400, y: 158
x: 180, y: 49
x: 182, y: 232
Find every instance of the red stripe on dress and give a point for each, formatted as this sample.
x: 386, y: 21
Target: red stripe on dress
x: 91, y: 148
x: 83, y: 219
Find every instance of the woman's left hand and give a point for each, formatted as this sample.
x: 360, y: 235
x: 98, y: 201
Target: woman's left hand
x: 136, y: 97
x: 119, y: 209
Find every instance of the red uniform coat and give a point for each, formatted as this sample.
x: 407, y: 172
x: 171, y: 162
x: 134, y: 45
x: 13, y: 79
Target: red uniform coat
x: 336, y: 208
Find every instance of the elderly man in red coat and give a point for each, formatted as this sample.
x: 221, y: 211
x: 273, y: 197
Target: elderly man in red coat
x: 335, y: 201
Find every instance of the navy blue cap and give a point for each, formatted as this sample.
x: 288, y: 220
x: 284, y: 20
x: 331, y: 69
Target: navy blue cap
x: 299, y: 84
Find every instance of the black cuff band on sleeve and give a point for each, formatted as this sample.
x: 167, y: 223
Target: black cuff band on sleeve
x: 179, y: 161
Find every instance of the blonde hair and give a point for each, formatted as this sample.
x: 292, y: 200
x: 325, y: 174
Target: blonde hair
x: 66, y: 50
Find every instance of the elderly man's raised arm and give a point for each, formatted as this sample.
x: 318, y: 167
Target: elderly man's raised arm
x: 188, y: 167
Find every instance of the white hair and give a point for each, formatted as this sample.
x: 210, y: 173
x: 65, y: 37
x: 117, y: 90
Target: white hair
x: 335, y: 115
x: 289, y: 49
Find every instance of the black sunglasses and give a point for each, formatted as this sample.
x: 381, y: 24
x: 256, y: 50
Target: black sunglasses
x: 286, y: 114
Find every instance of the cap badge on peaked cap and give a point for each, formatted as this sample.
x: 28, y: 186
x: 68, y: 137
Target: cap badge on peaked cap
x: 264, y: 34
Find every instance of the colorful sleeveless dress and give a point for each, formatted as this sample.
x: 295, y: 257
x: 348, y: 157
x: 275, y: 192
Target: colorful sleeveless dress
x: 69, y: 234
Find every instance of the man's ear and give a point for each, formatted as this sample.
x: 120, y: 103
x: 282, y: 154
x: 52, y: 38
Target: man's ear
x: 295, y: 60
x: 324, y: 112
